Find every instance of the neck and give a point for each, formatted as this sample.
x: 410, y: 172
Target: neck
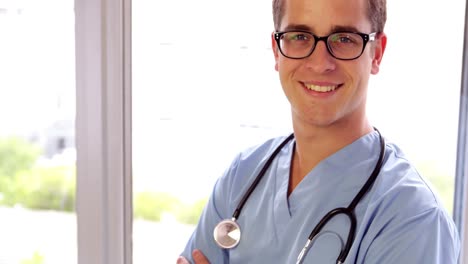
x: 316, y: 143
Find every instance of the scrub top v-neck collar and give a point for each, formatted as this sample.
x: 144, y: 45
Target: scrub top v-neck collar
x: 332, y: 173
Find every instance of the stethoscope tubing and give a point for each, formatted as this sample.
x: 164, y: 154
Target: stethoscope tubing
x: 348, y: 211
x: 254, y: 184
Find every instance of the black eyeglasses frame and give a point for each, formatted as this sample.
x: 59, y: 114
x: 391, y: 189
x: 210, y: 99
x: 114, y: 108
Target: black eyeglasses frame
x: 365, y: 38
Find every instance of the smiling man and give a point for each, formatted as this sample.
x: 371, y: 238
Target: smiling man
x: 334, y: 191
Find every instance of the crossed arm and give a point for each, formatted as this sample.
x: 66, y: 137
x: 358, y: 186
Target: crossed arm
x: 198, y: 257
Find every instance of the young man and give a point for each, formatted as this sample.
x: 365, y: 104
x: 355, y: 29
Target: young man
x: 365, y: 202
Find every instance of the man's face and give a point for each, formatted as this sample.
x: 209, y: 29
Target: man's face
x: 304, y: 80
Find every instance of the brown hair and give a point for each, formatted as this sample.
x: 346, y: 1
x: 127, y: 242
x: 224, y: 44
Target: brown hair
x: 376, y: 12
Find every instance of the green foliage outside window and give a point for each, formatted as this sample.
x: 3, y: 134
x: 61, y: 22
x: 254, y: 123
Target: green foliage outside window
x: 443, y: 184
x: 24, y: 183
x: 190, y: 213
x: 16, y: 155
x: 152, y: 205
x: 43, y: 189
x: 37, y: 258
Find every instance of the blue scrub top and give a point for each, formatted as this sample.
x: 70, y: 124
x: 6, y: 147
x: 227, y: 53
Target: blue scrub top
x: 400, y: 220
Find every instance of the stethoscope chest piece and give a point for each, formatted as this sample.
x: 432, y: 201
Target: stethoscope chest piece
x: 227, y: 234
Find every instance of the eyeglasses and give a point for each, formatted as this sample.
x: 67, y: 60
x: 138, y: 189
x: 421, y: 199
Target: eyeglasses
x: 341, y: 45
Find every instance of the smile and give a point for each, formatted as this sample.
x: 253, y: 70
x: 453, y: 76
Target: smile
x: 322, y: 89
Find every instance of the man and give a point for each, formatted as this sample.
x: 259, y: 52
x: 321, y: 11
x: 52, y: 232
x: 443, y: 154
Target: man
x: 377, y: 208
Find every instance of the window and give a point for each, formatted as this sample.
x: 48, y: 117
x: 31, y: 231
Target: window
x: 197, y: 101
x: 202, y: 93
x: 37, y: 148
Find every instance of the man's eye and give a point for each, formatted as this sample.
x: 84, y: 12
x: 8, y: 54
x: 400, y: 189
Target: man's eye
x: 298, y: 37
x: 345, y: 39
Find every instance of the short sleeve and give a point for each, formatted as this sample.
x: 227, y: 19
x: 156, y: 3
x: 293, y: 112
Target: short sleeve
x: 427, y: 237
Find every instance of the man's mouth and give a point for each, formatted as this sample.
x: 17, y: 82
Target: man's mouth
x: 321, y: 88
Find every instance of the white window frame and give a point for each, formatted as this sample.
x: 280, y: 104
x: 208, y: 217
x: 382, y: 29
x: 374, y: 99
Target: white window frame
x: 460, y: 209
x: 103, y: 131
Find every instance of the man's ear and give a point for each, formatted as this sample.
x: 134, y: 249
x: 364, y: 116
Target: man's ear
x: 274, y: 48
x: 379, y: 50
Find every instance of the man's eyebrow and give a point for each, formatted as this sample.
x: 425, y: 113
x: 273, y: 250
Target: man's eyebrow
x: 344, y: 28
x: 310, y: 29
x: 297, y: 27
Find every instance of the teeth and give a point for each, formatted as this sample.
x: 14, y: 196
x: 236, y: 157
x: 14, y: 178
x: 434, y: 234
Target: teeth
x: 320, y: 88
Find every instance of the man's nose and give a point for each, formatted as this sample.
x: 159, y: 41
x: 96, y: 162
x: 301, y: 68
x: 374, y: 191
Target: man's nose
x: 321, y: 61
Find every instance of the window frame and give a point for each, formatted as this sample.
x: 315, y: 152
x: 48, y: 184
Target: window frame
x: 103, y: 131
x: 460, y: 210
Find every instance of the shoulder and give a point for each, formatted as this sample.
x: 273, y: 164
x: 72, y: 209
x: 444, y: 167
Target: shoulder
x: 255, y: 156
x: 262, y: 150
x: 403, y: 197
x: 245, y: 167
x: 405, y: 213
x: 400, y: 182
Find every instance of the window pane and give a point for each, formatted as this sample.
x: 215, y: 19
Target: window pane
x: 197, y: 102
x: 205, y: 88
x: 37, y: 153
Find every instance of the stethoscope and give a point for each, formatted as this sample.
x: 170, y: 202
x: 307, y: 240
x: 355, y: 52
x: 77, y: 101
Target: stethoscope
x: 227, y: 233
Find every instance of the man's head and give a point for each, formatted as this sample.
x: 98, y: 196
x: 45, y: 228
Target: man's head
x: 376, y: 13
x: 325, y: 52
